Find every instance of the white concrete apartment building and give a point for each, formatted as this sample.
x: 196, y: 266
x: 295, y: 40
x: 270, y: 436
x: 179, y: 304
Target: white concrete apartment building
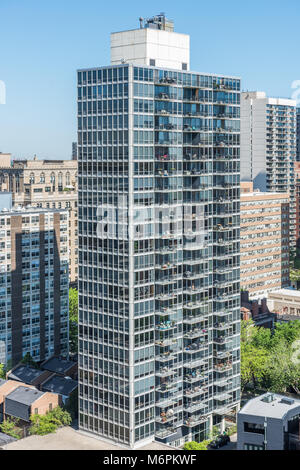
x: 268, y: 146
x: 264, y: 241
x: 34, y: 283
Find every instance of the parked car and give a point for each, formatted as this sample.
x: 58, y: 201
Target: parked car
x: 219, y: 441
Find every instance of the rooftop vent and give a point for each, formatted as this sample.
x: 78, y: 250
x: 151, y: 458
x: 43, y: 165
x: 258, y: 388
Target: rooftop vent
x: 287, y: 401
x: 268, y: 398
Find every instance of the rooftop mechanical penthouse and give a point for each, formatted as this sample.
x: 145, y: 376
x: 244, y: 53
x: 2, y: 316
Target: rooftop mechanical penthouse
x: 159, y: 281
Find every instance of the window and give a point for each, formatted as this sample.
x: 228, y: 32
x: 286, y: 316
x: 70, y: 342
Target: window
x: 31, y: 178
x: 50, y: 406
x: 152, y: 62
x: 68, y: 178
x: 60, y: 179
x: 256, y: 428
x: 184, y: 66
x: 253, y: 447
x: 42, y: 178
x: 36, y: 411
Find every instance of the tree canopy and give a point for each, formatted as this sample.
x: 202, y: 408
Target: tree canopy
x: 270, y: 359
x: 73, y: 320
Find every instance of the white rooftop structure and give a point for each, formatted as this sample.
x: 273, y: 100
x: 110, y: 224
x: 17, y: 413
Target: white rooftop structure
x: 154, y: 44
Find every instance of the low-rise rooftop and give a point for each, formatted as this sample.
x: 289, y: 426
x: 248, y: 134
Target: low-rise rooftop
x: 287, y: 292
x: 68, y: 438
x: 270, y: 405
x: 25, y: 374
x: 58, y: 365
x: 62, y: 385
x: 25, y: 395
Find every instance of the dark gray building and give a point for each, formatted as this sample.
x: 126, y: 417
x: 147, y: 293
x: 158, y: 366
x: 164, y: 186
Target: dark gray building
x: 269, y: 422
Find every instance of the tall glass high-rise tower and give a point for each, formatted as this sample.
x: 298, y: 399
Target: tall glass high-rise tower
x: 159, y: 279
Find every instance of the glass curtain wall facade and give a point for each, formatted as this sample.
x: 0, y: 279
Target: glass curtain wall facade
x: 159, y: 291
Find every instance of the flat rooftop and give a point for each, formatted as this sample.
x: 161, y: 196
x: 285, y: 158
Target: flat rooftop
x: 68, y: 438
x: 61, y: 385
x: 264, y: 194
x: 277, y: 408
x: 25, y: 395
x: 166, y: 69
x: 25, y: 374
x: 5, y: 439
x: 55, y: 364
x: 287, y: 292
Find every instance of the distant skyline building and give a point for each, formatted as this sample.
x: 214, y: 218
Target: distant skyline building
x: 158, y: 206
x: 264, y: 241
x: 298, y: 134
x: 268, y: 146
x: 74, y: 150
x: 5, y: 159
x: 34, y: 284
x: 297, y: 193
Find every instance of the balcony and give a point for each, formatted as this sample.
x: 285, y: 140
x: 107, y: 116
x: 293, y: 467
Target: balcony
x: 195, y: 347
x: 166, y: 372
x: 167, y: 387
x: 222, y: 339
x: 195, y: 376
x: 222, y: 326
x: 195, y: 391
x: 221, y: 368
x: 168, y: 356
x: 196, y: 333
x: 194, y: 421
x: 194, y: 319
x: 167, y: 417
x: 194, y: 407
x: 166, y: 402
x: 164, y: 433
x: 193, y: 305
x: 166, y: 326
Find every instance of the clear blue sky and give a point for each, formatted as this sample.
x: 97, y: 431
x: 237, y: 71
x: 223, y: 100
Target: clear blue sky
x: 43, y: 42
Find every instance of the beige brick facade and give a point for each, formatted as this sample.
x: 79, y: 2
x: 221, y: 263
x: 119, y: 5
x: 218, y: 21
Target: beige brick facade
x: 46, y: 184
x: 264, y: 241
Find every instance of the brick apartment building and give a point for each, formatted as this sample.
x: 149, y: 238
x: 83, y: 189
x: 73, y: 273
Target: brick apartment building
x: 264, y: 241
x: 34, y: 284
x: 47, y: 184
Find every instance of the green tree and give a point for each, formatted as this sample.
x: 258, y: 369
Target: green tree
x: 28, y: 361
x: 253, y: 364
x: 73, y: 320
x: 2, y: 371
x: 41, y: 425
x: 282, y: 372
x: 196, y: 445
x: 262, y: 338
x: 10, y: 427
x: 48, y: 423
x: 287, y: 332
